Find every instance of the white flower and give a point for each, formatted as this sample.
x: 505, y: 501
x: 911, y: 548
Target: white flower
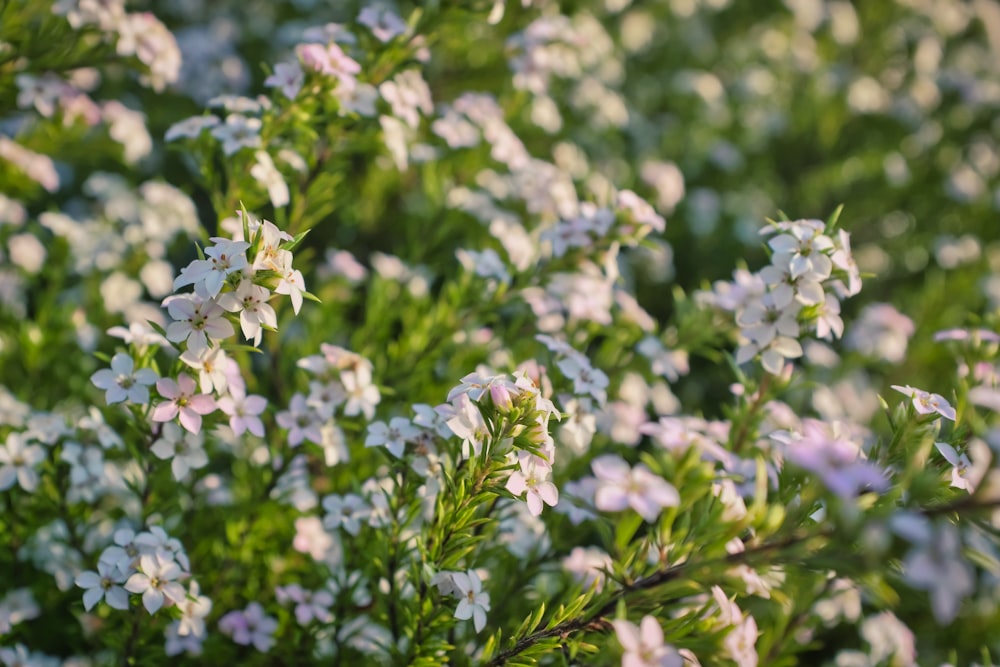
x: 938, y: 567
x: 212, y: 365
x: 194, y: 609
x: 926, y: 403
x: 473, y: 602
x: 393, y: 437
x: 347, y: 512
x: 17, y: 462
x: 237, y: 133
x: 265, y: 173
x: 155, y: 581
x: 185, y: 450
x: 209, y: 274
x: 586, y: 379
x: 288, y: 76
x: 122, y: 382
x: 103, y: 585
x: 961, y: 465
x: 190, y: 128
x: 362, y: 395
x: 803, y: 249
x: 250, y: 300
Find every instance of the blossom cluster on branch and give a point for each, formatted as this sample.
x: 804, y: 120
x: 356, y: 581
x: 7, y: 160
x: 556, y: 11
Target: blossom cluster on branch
x: 517, y: 418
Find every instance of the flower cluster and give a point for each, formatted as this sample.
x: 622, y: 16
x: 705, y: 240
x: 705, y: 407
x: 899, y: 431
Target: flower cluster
x: 508, y: 433
x: 811, y: 270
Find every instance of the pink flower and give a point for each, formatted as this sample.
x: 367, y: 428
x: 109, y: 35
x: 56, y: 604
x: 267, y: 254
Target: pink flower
x: 838, y: 461
x: 301, y: 421
x: 183, y: 401
x: 644, y: 646
x: 196, y: 321
x: 533, y: 479
x: 620, y: 486
x: 244, y: 412
x: 252, y: 626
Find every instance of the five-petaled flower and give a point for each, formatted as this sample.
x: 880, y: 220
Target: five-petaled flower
x: 620, y: 486
x: 182, y: 401
x: 105, y: 584
x: 155, y: 580
x: 472, y: 601
x: 123, y: 382
x: 644, y: 646
x: 926, y: 403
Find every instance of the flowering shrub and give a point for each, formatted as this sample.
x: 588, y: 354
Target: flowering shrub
x: 472, y: 333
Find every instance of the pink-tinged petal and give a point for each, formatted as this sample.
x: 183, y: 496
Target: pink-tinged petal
x: 186, y: 384
x: 644, y: 507
x: 165, y: 412
x: 610, y: 467
x: 516, y: 483
x: 628, y: 635
x: 255, y: 426
x: 219, y: 328
x: 303, y: 614
x: 167, y: 388
x: 611, y: 499
x: 254, y: 405
x: 634, y: 660
x: 227, y: 405
x: 181, y: 309
x: 191, y: 420
x: 948, y: 452
x: 534, y: 503
x: 27, y: 478
x: 213, y: 282
x: 549, y: 493
x: 203, y: 404
x: 651, y: 632
x: 772, y: 362
x: 983, y: 396
x: 238, y: 424
x: 664, y: 495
